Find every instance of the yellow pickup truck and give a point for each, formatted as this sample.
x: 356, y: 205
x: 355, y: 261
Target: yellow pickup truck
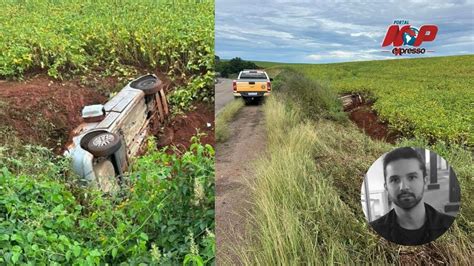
x: 252, y: 85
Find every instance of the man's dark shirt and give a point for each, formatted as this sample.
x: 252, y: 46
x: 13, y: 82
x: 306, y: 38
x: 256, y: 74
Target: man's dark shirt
x: 436, y: 224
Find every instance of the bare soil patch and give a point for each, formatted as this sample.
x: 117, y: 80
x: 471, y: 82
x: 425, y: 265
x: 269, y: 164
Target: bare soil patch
x: 43, y: 111
x: 367, y: 120
x: 180, y: 129
x: 234, y: 172
x: 361, y: 113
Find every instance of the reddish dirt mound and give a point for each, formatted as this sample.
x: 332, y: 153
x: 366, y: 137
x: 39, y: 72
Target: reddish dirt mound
x: 361, y: 113
x: 180, y: 130
x: 43, y: 111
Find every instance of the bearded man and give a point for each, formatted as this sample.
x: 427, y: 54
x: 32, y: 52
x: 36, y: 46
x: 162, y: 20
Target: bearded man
x: 411, y: 221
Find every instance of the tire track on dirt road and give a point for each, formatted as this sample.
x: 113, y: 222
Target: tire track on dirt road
x: 234, y: 169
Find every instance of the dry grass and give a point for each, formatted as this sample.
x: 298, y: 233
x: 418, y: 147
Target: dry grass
x: 299, y: 218
x: 224, y: 117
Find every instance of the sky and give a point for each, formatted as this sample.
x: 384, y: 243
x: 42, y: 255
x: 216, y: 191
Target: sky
x: 302, y: 31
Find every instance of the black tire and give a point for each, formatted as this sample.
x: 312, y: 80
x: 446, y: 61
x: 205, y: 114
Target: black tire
x: 149, y: 84
x: 104, y: 144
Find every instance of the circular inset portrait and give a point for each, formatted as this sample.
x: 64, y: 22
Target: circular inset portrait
x: 410, y: 196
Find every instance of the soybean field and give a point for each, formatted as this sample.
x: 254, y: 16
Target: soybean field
x: 429, y: 98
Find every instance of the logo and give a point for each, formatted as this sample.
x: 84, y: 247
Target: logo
x: 401, y: 33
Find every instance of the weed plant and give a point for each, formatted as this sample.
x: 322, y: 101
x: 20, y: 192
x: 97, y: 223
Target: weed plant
x: 315, y: 100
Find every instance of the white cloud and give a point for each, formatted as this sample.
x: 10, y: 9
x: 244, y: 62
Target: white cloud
x: 235, y: 37
x: 462, y: 39
x: 440, y: 4
x: 334, y: 25
x: 466, y: 44
x: 314, y: 57
x: 245, y: 32
x: 371, y: 35
x: 299, y: 22
x: 343, y: 55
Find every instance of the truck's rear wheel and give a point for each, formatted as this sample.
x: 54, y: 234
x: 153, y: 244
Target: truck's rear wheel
x: 149, y: 84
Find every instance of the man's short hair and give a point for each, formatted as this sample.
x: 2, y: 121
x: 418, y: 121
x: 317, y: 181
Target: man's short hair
x: 403, y: 153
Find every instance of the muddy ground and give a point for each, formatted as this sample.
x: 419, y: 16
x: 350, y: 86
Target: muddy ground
x: 235, y: 160
x: 43, y: 111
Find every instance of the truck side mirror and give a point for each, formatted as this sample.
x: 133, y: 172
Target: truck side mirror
x: 271, y: 79
x: 93, y: 113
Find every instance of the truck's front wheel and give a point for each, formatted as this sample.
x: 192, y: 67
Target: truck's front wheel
x: 104, y: 144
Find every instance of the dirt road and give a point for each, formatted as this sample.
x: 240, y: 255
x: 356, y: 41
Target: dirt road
x: 223, y: 89
x: 234, y: 168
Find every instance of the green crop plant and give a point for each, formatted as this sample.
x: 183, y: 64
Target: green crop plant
x: 428, y: 98
x: 67, y: 38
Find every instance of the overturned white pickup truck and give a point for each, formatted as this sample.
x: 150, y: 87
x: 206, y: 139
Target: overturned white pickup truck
x: 111, y: 133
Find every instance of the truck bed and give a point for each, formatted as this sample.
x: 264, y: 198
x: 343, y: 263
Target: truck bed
x: 252, y: 85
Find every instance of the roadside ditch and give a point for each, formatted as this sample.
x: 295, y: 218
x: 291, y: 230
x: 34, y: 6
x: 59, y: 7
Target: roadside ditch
x: 360, y: 111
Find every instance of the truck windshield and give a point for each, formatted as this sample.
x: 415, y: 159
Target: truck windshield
x: 253, y: 76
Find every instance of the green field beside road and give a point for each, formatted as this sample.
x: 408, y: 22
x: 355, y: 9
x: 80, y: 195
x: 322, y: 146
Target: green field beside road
x: 428, y: 98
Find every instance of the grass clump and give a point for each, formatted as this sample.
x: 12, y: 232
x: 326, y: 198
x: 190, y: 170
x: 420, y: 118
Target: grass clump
x: 225, y: 117
x: 314, y: 100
